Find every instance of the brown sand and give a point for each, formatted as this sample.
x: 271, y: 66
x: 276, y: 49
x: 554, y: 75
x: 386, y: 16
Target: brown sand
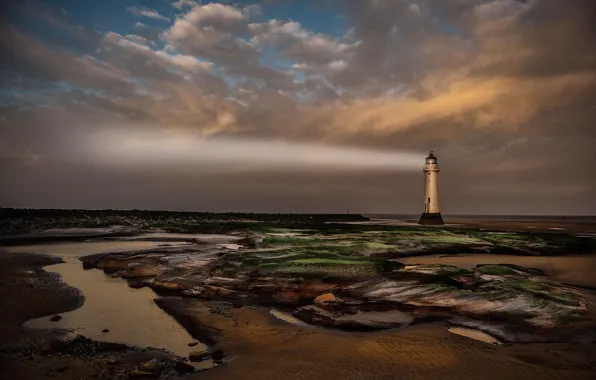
x: 266, y: 349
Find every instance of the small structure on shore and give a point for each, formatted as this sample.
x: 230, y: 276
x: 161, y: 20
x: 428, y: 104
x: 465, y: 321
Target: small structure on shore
x: 432, y: 213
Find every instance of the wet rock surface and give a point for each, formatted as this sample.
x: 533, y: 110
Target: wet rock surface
x: 332, y: 286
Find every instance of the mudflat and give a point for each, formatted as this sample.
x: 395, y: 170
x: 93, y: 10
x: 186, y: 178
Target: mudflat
x: 264, y: 348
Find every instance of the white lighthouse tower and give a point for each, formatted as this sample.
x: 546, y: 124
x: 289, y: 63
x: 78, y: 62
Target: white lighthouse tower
x: 432, y: 213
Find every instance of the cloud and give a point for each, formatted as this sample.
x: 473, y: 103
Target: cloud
x: 181, y: 4
x: 136, y: 45
x: 208, y: 31
x: 141, y: 11
x: 297, y: 43
x: 139, y: 25
x: 512, y: 82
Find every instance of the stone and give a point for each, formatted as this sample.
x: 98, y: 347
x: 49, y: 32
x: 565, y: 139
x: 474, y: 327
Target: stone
x: 198, y: 356
x: 55, y: 318
x: 140, y: 270
x: 105, y: 330
x: 325, y: 298
x: 252, y: 242
x: 51, y: 346
x: 153, y: 365
x: 192, y: 344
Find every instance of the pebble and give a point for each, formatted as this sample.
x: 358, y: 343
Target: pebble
x: 153, y: 365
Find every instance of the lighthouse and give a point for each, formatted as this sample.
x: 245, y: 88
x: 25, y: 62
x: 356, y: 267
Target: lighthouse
x: 432, y: 213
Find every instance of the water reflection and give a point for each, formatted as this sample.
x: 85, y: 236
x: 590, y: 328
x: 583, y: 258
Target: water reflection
x: 129, y: 314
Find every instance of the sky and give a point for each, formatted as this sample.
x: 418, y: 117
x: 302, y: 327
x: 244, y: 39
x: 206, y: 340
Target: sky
x: 299, y: 106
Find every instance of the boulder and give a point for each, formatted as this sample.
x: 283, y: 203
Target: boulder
x: 55, y: 318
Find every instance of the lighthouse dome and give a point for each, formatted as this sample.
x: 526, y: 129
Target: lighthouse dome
x: 431, y: 159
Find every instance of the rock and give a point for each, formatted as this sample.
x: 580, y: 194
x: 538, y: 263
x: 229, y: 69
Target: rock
x: 251, y: 242
x: 139, y: 282
x: 141, y: 270
x: 55, y: 318
x: 177, y: 282
x: 153, y: 365
x: 192, y: 344
x: 198, y: 356
x: 223, y: 281
x: 80, y: 338
x: 183, y: 368
x: 51, y: 346
x: 324, y: 298
x: 105, y: 330
x: 138, y: 374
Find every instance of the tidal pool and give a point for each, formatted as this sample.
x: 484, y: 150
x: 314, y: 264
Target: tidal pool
x: 129, y: 314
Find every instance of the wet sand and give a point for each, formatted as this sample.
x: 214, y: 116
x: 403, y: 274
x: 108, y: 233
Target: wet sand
x: 264, y: 348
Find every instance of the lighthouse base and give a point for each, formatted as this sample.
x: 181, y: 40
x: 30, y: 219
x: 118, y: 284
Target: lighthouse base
x: 433, y: 219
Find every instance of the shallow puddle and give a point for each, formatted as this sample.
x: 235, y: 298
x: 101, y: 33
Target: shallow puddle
x: 84, y: 248
x: 129, y: 314
x: 474, y: 334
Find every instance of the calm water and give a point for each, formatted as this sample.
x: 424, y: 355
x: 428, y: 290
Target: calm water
x: 130, y: 315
